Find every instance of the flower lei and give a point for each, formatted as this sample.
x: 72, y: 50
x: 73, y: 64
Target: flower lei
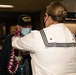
x: 13, y: 63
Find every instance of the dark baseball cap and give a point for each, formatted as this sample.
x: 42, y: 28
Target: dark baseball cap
x: 24, y: 20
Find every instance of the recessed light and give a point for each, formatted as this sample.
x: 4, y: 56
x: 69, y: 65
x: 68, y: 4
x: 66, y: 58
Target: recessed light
x: 6, y: 6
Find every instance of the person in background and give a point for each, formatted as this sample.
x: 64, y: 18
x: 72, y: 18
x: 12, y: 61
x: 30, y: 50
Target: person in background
x: 53, y: 48
x: 10, y: 58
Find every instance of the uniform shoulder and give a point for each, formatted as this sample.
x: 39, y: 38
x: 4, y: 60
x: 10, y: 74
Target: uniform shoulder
x: 35, y: 31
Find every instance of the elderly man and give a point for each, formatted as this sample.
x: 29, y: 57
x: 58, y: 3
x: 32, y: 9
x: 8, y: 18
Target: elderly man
x: 11, y: 58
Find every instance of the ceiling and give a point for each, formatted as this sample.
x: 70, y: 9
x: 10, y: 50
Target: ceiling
x: 26, y: 5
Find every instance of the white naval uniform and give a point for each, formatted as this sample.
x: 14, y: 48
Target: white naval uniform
x: 47, y: 60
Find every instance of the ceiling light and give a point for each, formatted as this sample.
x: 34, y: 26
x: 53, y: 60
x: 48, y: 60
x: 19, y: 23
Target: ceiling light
x: 6, y: 6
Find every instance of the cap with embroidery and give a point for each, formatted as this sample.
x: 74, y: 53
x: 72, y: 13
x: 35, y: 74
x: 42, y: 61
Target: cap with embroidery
x: 24, y: 20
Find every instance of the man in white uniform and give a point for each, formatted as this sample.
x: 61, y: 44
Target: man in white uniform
x: 52, y: 49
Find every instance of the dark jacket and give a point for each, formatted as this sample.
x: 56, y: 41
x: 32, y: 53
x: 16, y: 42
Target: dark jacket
x: 5, y: 55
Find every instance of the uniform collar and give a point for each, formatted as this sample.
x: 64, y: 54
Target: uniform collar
x: 59, y: 24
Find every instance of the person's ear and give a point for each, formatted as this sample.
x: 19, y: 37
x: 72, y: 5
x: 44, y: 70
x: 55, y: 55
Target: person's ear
x: 46, y: 18
x: 19, y: 27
